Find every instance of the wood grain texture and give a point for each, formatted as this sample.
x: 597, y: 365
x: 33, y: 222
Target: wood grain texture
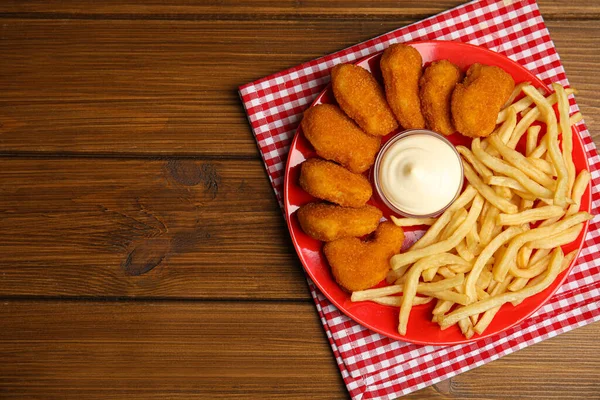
x: 128, y: 170
x: 268, y: 10
x: 167, y: 228
x: 109, y: 87
x: 180, y: 350
x: 165, y: 350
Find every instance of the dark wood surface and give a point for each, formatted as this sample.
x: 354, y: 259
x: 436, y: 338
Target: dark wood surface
x: 143, y: 254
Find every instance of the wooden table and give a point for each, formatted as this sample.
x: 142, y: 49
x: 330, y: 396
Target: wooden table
x: 143, y: 254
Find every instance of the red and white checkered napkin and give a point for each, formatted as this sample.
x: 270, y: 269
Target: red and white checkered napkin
x: 374, y: 366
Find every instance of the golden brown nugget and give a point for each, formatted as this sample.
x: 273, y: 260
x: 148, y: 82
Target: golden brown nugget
x: 329, y: 222
x: 360, y: 96
x: 335, y: 137
x: 358, y: 265
x: 328, y: 181
x: 477, y: 101
x: 436, y: 87
x: 401, y: 67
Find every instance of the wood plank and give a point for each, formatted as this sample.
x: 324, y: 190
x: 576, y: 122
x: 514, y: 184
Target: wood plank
x: 228, y: 349
x: 174, y: 350
x: 138, y: 228
x: 565, y: 367
x: 107, y: 87
x: 253, y: 9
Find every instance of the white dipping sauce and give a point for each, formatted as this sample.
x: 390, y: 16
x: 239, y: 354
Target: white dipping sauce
x: 420, y: 174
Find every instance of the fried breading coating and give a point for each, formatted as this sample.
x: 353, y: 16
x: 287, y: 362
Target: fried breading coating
x: 478, y: 99
x: 328, y: 181
x: 329, y: 222
x: 335, y: 137
x: 360, y: 96
x: 358, y: 265
x: 436, y: 87
x: 401, y: 67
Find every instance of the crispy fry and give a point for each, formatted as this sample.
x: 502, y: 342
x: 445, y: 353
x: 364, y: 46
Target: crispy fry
x: 535, y: 214
x: 546, y: 110
x: 560, y: 239
x: 413, y: 255
x: 523, y: 256
x: 581, y: 183
x: 432, y: 233
x: 487, y: 191
x: 486, y: 318
x: 503, y: 168
x: 485, y: 255
x: 542, y: 165
x: 525, y: 102
x: 519, y: 161
x: 532, y: 138
x: 477, y: 165
x: 501, y: 269
x: 395, y: 301
x: 567, y: 134
x: 499, y: 300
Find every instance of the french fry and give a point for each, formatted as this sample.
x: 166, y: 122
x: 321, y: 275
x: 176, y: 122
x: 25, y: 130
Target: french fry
x: 487, y: 191
x: 526, y: 204
x: 442, y: 307
x: 539, y: 151
x: 533, y: 270
x: 444, y: 284
x: 525, y: 102
x: 503, y: 168
x: 412, y: 277
x: 517, y: 89
x: 485, y: 278
x: 402, y: 222
x: 567, y: 134
x: 520, y: 162
x: 432, y: 233
x: 395, y: 301
x: 535, y: 214
x: 463, y: 251
x: 522, y: 127
x: 445, y: 272
x: 412, y: 256
x: 394, y: 275
x: 532, y: 138
x: 542, y: 165
x: 370, y: 294
x: 499, y: 300
x: 473, y: 238
x: 477, y: 165
x: 486, y: 318
x: 523, y: 256
x: 483, y: 258
x: 581, y: 183
x: 560, y: 239
x: 509, y: 256
x: 547, y: 112
x: 458, y: 218
x: 449, y: 295
x: 565, y: 264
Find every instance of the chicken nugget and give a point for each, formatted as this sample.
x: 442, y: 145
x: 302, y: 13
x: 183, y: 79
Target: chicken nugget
x: 335, y: 137
x: 401, y: 67
x: 358, y: 265
x: 477, y: 101
x: 329, y: 181
x: 360, y: 96
x: 328, y: 222
x: 437, y: 84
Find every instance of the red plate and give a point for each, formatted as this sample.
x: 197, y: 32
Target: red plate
x: 384, y: 319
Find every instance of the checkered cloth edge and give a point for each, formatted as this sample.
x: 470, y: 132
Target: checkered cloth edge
x: 374, y: 366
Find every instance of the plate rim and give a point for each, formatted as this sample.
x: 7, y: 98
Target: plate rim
x: 339, y: 306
